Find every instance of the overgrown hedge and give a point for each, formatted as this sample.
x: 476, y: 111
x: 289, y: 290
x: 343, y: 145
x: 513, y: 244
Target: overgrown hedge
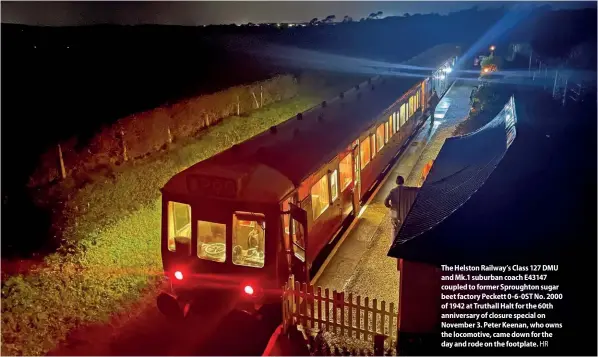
x: 141, y: 134
x: 110, y: 252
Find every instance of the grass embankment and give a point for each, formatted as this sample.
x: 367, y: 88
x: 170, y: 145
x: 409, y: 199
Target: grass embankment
x: 112, y: 230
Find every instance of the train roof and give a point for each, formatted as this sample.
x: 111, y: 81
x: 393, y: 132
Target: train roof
x: 272, y: 164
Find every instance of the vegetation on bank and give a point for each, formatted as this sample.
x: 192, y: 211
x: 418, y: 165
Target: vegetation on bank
x: 142, y: 134
x: 111, y: 231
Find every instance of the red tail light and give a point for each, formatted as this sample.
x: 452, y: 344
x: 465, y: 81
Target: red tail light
x: 178, y: 275
x: 248, y: 289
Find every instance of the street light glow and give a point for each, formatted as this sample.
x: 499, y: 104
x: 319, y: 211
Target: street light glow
x: 492, y: 48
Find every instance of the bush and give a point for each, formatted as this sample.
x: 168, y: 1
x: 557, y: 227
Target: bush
x: 144, y: 133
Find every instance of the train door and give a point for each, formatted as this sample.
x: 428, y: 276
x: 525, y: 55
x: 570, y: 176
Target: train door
x: 299, y: 264
x: 356, y: 180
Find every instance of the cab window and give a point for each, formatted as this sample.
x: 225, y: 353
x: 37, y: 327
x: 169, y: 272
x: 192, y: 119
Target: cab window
x: 179, y: 223
x: 319, y: 197
x: 364, y: 152
x: 333, y: 185
x: 211, y: 241
x: 249, y: 233
x: 380, y: 137
x: 346, y: 172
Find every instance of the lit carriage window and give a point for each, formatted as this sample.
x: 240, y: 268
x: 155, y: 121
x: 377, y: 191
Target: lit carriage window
x: 373, y: 144
x: 298, y: 241
x: 395, y: 122
x: 380, y: 137
x: 346, y: 172
x: 364, y: 153
x: 319, y: 197
x: 418, y: 99
x: 386, y: 133
x: 414, y: 97
x: 249, y: 233
x: 390, y: 127
x: 333, y: 185
x: 403, y: 115
x: 211, y: 241
x: 179, y: 222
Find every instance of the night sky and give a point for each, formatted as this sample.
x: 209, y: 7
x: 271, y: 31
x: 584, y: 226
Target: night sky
x: 225, y: 12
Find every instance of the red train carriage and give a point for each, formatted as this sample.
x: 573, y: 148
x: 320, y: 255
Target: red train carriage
x: 240, y: 222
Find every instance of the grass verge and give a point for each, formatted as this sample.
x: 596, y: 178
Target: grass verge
x: 111, y: 230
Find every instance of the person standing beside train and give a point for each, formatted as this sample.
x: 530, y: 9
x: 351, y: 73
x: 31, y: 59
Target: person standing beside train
x: 393, y: 201
x: 432, y: 103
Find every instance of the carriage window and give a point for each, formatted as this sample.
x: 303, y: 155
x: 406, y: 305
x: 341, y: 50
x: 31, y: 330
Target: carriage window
x: 298, y: 241
x: 417, y: 98
x: 319, y: 197
x: 403, y: 115
x: 390, y: 128
x: 249, y: 233
x: 395, y: 122
x: 179, y: 222
x: 380, y: 137
x: 346, y: 172
x: 412, y: 105
x: 373, y: 144
x: 386, y: 134
x: 364, y: 152
x: 333, y: 185
x: 211, y: 241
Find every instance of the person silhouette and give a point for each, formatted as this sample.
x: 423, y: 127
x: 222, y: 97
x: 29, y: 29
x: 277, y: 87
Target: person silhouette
x: 393, y: 201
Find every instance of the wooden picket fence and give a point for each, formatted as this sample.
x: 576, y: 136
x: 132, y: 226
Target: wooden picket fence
x: 316, y: 309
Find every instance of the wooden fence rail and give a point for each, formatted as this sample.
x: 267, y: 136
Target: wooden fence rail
x: 348, y: 315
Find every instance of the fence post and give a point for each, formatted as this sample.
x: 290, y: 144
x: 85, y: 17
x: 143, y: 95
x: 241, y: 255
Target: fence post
x: 122, y: 138
x: 61, y: 161
x: 379, y: 344
x: 169, y: 136
x: 261, y: 96
x: 238, y: 106
x: 257, y: 105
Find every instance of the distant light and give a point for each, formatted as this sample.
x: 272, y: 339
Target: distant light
x: 442, y: 76
x: 492, y: 48
x: 508, y: 116
x: 178, y: 275
x: 486, y: 70
x: 448, y: 70
x: 248, y: 290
